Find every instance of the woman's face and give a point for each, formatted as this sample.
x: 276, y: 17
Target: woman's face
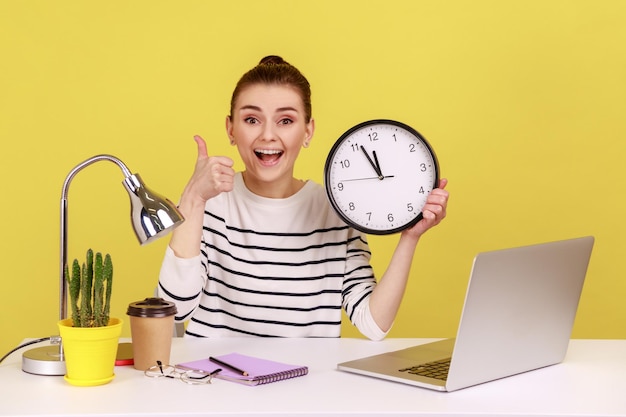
x: 269, y: 127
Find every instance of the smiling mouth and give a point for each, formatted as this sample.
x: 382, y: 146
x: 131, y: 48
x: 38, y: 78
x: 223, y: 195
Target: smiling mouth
x: 268, y: 156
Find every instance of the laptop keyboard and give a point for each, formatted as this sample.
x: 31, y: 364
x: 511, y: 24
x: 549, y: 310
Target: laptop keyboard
x: 437, y: 369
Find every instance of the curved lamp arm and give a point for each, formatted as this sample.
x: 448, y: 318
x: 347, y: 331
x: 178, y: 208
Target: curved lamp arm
x: 152, y: 215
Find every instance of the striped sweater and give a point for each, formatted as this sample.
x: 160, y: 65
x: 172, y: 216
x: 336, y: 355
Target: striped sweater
x: 272, y: 267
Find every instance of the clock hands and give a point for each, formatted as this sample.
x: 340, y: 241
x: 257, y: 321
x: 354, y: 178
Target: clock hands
x: 367, y: 178
x: 380, y: 172
x: 375, y: 164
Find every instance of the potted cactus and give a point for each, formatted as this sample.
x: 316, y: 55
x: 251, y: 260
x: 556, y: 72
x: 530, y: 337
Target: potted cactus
x: 90, y: 337
x: 90, y: 290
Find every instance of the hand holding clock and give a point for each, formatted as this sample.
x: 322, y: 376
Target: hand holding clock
x: 412, y: 202
x: 434, y: 211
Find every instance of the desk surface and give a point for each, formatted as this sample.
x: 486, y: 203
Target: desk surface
x: 591, y: 381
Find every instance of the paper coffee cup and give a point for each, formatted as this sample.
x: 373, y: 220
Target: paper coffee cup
x: 152, y: 328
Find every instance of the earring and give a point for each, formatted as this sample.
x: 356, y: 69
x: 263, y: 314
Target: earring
x: 305, y: 144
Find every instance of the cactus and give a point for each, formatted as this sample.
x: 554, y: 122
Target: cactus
x: 89, y: 281
x: 90, y: 290
x: 98, y: 291
x: 107, y: 271
x: 85, y: 292
x: 74, y: 287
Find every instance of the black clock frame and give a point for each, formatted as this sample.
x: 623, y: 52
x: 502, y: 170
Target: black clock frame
x: 330, y: 157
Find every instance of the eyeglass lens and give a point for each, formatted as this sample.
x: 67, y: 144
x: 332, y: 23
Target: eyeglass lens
x: 193, y: 377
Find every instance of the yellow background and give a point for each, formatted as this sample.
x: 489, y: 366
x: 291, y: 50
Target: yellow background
x: 524, y: 103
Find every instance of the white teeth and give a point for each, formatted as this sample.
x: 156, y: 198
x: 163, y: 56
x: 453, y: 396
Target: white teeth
x: 268, y: 151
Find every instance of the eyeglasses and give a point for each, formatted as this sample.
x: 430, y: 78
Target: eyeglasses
x: 188, y: 376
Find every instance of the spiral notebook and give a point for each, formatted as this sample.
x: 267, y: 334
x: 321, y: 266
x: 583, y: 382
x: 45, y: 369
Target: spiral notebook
x: 260, y: 371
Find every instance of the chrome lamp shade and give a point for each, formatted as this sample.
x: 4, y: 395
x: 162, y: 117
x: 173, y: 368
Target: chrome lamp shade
x: 152, y: 216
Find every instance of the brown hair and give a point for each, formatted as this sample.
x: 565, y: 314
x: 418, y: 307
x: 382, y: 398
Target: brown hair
x: 274, y: 70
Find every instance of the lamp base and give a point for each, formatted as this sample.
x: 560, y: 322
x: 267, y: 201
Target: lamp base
x: 45, y: 360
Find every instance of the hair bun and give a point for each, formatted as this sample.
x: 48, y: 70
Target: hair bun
x: 272, y: 60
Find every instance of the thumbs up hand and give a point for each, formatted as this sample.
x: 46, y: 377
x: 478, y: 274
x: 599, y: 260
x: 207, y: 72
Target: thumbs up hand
x: 212, y: 175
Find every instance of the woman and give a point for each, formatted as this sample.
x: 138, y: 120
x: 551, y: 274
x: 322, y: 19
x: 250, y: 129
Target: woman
x: 262, y: 253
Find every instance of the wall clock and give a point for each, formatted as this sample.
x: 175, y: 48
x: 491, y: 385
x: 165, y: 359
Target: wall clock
x: 378, y: 175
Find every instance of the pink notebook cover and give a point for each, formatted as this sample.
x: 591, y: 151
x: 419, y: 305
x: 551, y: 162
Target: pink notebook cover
x: 260, y: 371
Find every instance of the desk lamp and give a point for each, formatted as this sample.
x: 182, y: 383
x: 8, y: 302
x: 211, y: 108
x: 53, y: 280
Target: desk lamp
x: 152, y: 217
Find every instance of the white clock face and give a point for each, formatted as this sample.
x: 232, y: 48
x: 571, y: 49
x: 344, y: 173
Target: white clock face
x: 378, y: 176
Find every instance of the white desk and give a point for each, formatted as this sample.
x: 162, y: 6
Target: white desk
x: 591, y: 381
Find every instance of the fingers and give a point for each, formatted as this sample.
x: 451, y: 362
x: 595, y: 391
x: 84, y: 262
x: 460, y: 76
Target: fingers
x: 221, y: 173
x: 436, y: 204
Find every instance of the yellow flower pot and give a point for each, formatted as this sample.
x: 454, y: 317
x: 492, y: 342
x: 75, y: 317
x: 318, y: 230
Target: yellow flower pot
x: 90, y: 352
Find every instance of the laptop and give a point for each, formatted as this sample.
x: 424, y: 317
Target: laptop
x: 518, y: 315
